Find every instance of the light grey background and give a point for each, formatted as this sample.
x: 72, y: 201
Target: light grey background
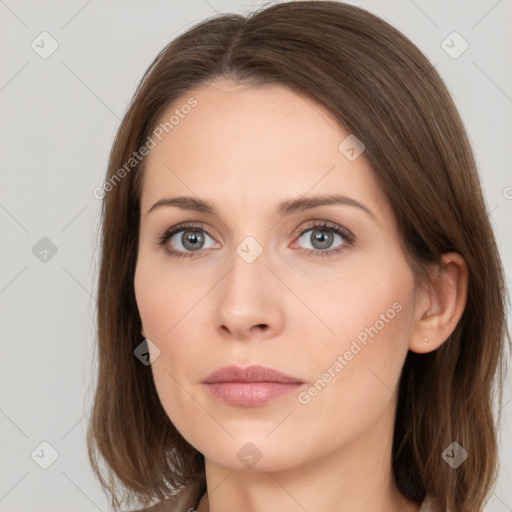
x: 58, y: 119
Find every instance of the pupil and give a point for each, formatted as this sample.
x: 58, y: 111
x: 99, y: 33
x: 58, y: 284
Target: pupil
x: 192, y: 239
x: 319, y: 236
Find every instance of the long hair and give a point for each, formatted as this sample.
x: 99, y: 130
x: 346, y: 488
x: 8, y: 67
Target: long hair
x: 380, y: 87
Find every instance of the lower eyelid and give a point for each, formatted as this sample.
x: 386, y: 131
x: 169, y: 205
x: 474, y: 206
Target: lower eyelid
x: 346, y: 236
x: 180, y: 232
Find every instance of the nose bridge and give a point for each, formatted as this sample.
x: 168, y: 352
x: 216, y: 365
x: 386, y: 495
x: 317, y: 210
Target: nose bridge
x: 247, y: 277
x: 247, y: 297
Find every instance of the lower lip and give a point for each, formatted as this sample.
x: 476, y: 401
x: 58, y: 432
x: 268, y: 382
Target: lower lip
x: 250, y: 394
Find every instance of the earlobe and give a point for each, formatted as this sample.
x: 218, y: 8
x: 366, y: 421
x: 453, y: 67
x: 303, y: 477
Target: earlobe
x: 442, y: 304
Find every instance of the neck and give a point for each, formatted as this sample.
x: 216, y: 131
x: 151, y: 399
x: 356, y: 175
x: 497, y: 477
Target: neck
x: 357, y: 476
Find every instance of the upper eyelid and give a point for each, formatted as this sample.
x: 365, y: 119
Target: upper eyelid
x: 309, y: 225
x: 350, y: 239
x: 198, y: 225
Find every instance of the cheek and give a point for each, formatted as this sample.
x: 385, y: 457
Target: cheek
x: 370, y: 314
x: 171, y: 313
x: 165, y: 296
x: 366, y: 303
x: 354, y: 378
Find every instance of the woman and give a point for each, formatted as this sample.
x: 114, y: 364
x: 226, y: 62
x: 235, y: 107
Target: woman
x: 301, y: 305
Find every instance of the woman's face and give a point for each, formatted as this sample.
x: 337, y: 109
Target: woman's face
x: 259, y: 284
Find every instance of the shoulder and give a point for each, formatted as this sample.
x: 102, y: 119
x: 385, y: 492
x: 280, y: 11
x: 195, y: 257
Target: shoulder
x: 184, y: 501
x: 429, y: 504
x: 162, y: 506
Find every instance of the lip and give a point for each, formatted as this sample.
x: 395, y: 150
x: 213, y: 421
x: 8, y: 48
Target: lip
x: 253, y: 373
x: 251, y: 386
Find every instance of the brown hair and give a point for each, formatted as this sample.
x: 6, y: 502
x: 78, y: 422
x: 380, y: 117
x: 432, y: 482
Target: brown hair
x: 382, y: 89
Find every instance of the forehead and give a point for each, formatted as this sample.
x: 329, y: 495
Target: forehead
x: 239, y: 120
x: 261, y: 143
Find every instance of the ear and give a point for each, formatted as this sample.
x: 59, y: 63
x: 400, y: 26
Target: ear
x: 441, y: 304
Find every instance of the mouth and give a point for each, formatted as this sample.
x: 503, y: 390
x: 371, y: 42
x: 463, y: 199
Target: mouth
x: 251, y: 386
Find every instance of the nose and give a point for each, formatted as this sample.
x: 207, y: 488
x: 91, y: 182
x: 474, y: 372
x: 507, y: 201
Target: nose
x: 249, y: 301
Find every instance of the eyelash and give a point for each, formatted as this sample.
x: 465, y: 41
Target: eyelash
x: 323, y: 225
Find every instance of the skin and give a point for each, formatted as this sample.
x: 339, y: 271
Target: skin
x: 246, y: 148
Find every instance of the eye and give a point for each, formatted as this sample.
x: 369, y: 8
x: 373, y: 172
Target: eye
x: 322, y: 236
x: 186, y: 239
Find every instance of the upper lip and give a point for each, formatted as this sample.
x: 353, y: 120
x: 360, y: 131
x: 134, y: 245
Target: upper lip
x: 253, y: 373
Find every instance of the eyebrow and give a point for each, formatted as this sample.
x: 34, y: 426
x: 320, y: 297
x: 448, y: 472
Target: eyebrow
x: 283, y: 209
